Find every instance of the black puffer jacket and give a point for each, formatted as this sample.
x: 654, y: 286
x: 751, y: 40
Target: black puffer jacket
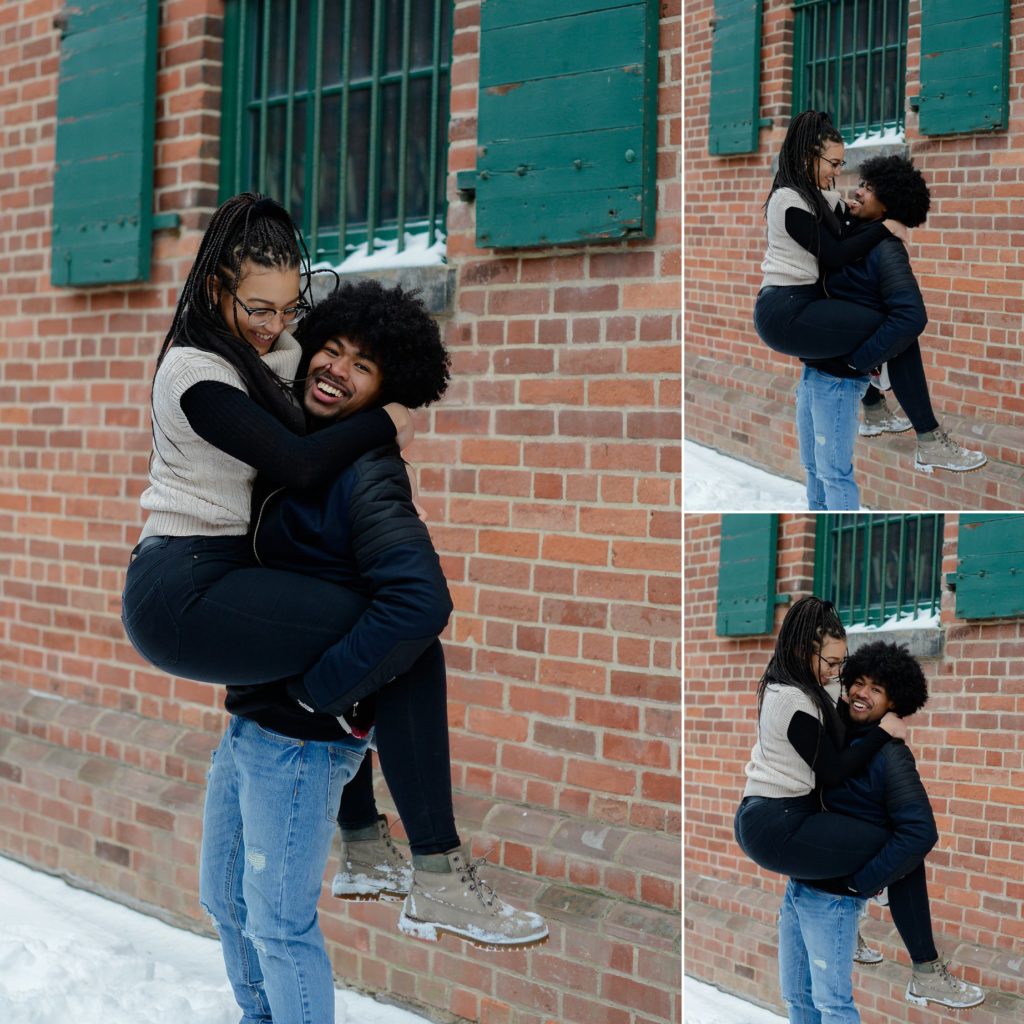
x: 362, y: 532
x: 883, y: 280
x: 888, y: 793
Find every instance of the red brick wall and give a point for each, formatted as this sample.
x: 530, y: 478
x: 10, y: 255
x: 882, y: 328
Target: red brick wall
x: 550, y: 476
x: 968, y: 259
x: 970, y: 752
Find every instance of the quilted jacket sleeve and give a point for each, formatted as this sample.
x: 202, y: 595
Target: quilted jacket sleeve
x: 910, y: 819
x: 409, y: 604
x: 905, y: 314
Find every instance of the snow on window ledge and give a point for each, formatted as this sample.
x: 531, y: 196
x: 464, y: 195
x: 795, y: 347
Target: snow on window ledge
x: 419, y: 266
x: 922, y: 635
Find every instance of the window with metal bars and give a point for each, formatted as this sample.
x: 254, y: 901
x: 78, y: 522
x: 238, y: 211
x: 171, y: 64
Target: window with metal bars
x: 875, y: 567
x: 339, y: 109
x: 850, y: 58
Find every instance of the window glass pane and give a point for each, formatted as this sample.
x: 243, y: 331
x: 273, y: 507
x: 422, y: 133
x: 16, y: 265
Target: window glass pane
x: 851, y: 62
x: 879, y: 566
x: 345, y: 176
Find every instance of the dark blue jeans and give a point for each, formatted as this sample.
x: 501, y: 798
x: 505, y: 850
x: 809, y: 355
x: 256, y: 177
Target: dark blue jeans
x: 800, y: 321
x: 794, y: 836
x: 201, y: 608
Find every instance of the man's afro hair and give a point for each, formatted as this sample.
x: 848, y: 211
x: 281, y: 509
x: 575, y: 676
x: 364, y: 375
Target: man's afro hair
x: 895, y: 668
x: 899, y: 187
x: 393, y: 328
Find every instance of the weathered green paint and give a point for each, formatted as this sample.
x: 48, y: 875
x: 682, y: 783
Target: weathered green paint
x: 965, y: 60
x: 106, y: 108
x: 989, y: 576
x: 566, y: 124
x: 745, y: 604
x: 734, y: 110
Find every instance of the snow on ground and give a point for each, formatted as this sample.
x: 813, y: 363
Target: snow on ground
x: 703, y: 1004
x: 716, y: 483
x: 67, y: 955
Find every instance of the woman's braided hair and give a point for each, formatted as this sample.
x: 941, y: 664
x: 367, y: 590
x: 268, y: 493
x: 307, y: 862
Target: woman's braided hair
x: 807, y: 625
x: 248, y: 227
x: 806, y: 138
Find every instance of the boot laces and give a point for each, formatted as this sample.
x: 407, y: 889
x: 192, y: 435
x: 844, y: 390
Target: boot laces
x: 948, y: 979
x: 476, y: 884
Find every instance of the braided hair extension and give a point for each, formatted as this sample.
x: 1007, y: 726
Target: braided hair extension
x: 247, y: 227
x: 806, y: 138
x: 808, y: 623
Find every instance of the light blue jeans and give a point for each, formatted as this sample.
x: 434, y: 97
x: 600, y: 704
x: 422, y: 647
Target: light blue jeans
x: 817, y: 940
x: 271, y: 811
x: 826, y: 421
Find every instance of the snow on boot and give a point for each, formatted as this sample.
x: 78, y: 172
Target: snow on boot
x: 459, y: 902
x: 880, y: 419
x: 933, y: 983
x: 372, y: 868
x: 865, y: 954
x: 937, y: 450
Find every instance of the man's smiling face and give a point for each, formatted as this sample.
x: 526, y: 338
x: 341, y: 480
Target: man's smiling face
x: 341, y: 381
x: 869, y: 700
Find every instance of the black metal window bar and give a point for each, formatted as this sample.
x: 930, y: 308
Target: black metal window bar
x: 850, y: 58
x: 340, y: 111
x: 878, y: 566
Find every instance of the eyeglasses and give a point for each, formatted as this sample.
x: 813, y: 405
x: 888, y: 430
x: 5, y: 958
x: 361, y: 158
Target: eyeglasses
x: 261, y: 316
x: 836, y: 165
x: 834, y: 665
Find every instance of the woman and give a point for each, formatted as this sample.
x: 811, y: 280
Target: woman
x: 779, y: 823
x: 222, y: 411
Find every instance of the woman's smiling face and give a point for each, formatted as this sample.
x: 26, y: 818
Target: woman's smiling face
x: 829, y: 163
x: 259, y: 288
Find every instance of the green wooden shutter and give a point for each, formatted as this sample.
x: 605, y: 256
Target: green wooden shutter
x: 103, y: 187
x: 746, y: 575
x: 734, y: 114
x: 989, y: 577
x: 567, y: 121
x: 965, y: 61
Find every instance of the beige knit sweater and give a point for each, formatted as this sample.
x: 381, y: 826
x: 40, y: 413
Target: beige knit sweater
x: 195, y: 488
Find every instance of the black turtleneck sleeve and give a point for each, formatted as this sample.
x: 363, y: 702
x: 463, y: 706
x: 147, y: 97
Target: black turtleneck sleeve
x: 833, y: 252
x: 812, y: 742
x: 230, y: 420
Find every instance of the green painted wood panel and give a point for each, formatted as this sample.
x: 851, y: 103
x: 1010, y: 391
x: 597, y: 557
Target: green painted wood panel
x: 745, y: 604
x: 989, y: 576
x: 106, y: 109
x: 734, y: 108
x: 965, y: 55
x: 566, y: 125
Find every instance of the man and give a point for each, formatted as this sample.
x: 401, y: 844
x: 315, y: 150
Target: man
x: 830, y: 389
x: 818, y: 923
x: 363, y: 346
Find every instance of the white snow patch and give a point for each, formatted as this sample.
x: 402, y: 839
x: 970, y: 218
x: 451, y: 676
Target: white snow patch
x: 385, y: 255
x: 713, y: 482
x: 888, y: 137
x: 67, y: 955
x: 704, y: 1004
x: 894, y: 622
x: 595, y: 840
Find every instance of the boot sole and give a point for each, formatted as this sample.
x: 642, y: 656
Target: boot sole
x: 428, y: 932
x: 370, y: 897
x: 382, y: 895
x: 925, y: 1000
x: 869, y: 963
x: 923, y: 468
x: 875, y: 431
